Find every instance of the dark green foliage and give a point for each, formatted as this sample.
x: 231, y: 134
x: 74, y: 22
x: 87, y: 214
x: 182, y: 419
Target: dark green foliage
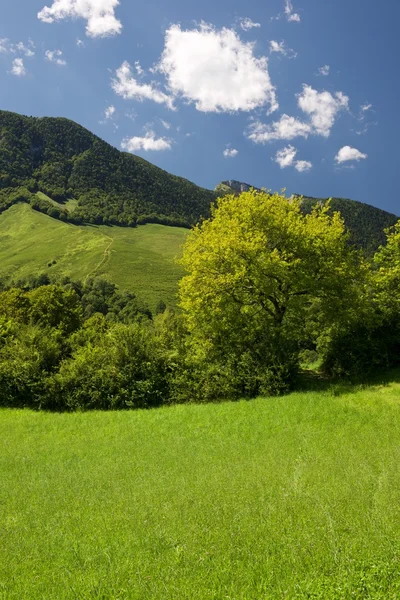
x: 63, y: 160
x: 365, y: 223
x: 363, y: 349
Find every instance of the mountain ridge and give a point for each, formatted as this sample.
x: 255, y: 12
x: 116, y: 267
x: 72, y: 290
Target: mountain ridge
x: 62, y: 169
x: 366, y: 223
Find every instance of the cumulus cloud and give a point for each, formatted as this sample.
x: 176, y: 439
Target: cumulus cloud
x: 280, y: 48
x: 247, y: 24
x: 18, y: 67
x: 322, y: 108
x: 303, y: 165
x: 148, y: 142
x: 216, y: 70
x: 290, y: 15
x: 230, y: 152
x: 138, y: 68
x: 286, y: 158
x: 126, y: 85
x: 109, y: 112
x: 277, y: 47
x: 287, y: 128
x: 55, y: 56
x: 7, y: 47
x: 99, y: 15
x: 324, y: 70
x: 348, y: 153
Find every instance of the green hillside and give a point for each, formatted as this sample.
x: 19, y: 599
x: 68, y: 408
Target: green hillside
x: 65, y: 161
x: 65, y: 171
x: 139, y: 259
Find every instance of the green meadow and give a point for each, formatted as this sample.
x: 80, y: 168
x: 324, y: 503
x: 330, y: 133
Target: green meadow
x: 292, y: 497
x: 141, y: 260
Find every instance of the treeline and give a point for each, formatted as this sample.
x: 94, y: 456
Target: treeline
x: 365, y: 223
x: 88, y: 211
x: 63, y: 160
x: 266, y: 289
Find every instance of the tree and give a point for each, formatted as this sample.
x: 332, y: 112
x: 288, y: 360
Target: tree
x: 255, y: 271
x: 387, y: 274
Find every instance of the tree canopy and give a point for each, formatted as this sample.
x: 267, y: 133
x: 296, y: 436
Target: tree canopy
x: 256, y: 271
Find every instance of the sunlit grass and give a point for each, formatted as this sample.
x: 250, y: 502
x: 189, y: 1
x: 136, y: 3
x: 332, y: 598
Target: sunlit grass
x: 141, y: 260
x: 296, y: 497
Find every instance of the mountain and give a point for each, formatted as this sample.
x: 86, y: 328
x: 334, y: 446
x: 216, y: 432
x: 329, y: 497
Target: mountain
x: 81, y: 178
x: 62, y: 169
x: 233, y: 187
x: 365, y: 223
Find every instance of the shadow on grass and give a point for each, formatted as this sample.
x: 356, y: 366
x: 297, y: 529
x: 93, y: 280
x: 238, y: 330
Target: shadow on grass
x: 314, y: 381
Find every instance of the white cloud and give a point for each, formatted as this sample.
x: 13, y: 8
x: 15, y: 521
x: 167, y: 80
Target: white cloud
x: 303, y: 165
x: 230, y: 152
x: 324, y: 70
x: 287, y: 128
x: 148, y: 142
x: 18, y: 67
x: 216, y: 70
x: 285, y: 157
x: 348, y: 153
x: 129, y: 88
x: 290, y: 15
x: 247, y: 24
x: 138, y: 68
x: 80, y: 43
x: 165, y: 124
x: 366, y: 107
x: 7, y: 47
x: 279, y: 48
x: 55, y: 56
x: 322, y: 107
x: 109, y: 112
x: 99, y: 14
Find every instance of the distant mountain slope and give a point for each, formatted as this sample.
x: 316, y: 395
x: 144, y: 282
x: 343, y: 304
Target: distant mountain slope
x: 62, y: 169
x: 64, y: 160
x: 365, y: 223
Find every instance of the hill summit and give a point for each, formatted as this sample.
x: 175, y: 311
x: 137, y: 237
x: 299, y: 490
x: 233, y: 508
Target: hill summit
x: 62, y: 169
x: 65, y: 161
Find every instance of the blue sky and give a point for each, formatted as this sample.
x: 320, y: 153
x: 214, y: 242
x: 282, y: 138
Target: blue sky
x: 301, y: 95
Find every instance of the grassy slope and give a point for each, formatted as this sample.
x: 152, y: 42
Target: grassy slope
x: 296, y: 497
x: 140, y: 260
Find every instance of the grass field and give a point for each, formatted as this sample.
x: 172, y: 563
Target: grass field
x: 141, y: 260
x: 296, y: 497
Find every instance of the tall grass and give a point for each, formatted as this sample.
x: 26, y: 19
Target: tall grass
x: 296, y: 497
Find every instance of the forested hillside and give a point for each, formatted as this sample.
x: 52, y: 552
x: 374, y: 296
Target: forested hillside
x: 65, y: 161
x: 365, y: 223
x: 62, y: 169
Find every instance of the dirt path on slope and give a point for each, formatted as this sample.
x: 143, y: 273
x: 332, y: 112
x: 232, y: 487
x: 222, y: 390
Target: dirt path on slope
x: 106, y: 256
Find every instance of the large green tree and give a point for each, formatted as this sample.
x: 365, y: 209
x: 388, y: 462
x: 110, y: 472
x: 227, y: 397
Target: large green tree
x: 258, y: 272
